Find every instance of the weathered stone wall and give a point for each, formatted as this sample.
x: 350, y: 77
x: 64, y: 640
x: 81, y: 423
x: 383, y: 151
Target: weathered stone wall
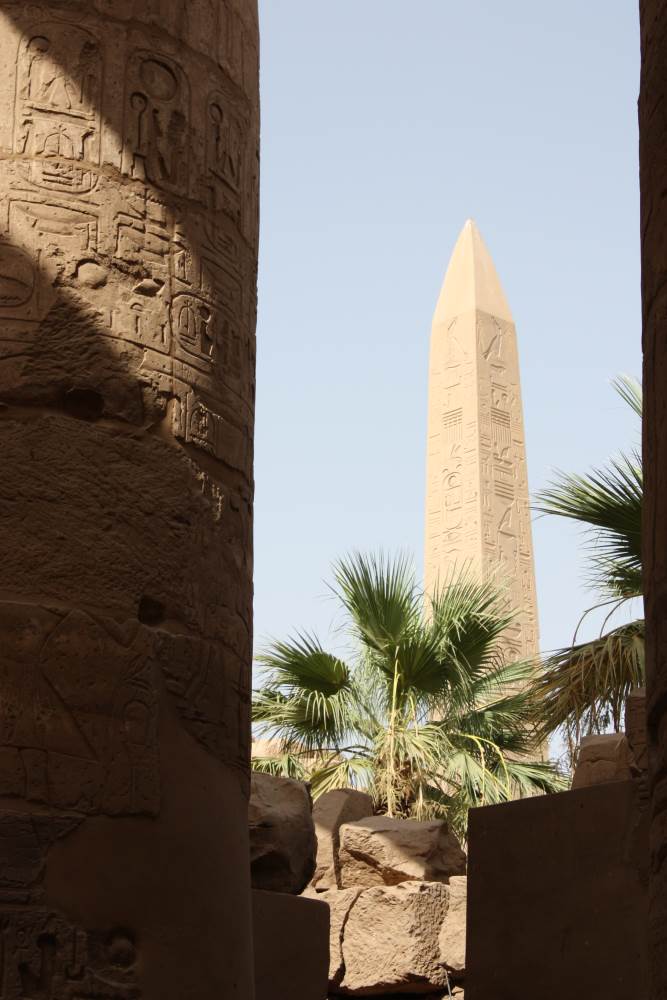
x: 653, y: 182
x: 128, y: 241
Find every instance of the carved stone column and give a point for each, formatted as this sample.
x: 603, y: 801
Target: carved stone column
x: 653, y: 179
x: 128, y: 241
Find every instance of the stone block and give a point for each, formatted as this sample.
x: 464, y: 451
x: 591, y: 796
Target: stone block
x: 557, y: 897
x: 291, y: 943
x: 330, y: 812
x: 384, y: 851
x: 390, y: 942
x: 340, y: 903
x: 452, y: 939
x: 282, y: 834
x: 601, y: 759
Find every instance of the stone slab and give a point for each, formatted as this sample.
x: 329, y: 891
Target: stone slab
x: 557, y: 897
x: 291, y: 941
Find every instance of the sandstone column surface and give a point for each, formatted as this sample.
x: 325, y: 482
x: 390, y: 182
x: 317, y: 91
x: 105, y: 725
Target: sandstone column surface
x: 128, y: 248
x: 477, y: 508
x: 653, y: 184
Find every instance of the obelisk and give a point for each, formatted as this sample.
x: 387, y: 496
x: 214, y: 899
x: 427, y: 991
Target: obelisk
x: 477, y: 509
x: 128, y: 250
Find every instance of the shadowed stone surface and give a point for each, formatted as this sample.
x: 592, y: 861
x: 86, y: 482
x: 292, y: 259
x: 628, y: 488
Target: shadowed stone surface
x: 653, y: 228
x: 557, y: 897
x: 282, y: 834
x: 635, y: 729
x: 128, y: 242
x: 384, y: 851
x: 291, y: 938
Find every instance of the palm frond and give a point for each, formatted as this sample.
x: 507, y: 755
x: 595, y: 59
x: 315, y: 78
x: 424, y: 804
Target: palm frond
x: 342, y: 772
x: 530, y: 778
x: 608, y: 501
x: 303, y: 719
x: 380, y: 597
x: 302, y: 664
x: 630, y: 391
x: 285, y: 765
x: 584, y: 687
x: 468, y: 619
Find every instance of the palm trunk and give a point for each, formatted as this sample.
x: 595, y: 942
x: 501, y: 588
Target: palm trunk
x: 391, y: 763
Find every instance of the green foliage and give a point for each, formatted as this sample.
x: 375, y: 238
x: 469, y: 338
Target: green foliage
x: 426, y: 715
x: 583, y: 687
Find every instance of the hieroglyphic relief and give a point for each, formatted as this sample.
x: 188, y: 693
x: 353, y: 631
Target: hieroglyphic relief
x: 25, y: 841
x: 79, y: 713
x: 157, y: 122
x: 162, y: 280
x: 44, y: 957
x: 168, y: 281
x: 155, y: 277
x: 477, y: 513
x: 57, y: 119
x: 128, y: 189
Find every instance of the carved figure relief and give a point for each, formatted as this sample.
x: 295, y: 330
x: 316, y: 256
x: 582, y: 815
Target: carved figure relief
x: 157, y: 122
x: 44, y: 957
x: 78, y: 717
x: 57, y: 110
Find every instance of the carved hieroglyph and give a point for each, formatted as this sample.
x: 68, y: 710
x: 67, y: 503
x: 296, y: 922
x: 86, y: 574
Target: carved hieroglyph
x: 477, y: 511
x: 128, y: 255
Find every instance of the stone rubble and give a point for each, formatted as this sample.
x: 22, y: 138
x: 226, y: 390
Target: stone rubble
x: 282, y: 834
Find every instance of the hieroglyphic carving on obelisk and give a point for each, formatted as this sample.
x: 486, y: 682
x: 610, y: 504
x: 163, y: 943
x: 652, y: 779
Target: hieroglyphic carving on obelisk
x: 477, y: 508
x: 129, y: 137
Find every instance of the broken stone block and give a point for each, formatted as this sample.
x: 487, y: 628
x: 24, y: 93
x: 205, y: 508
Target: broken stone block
x: 282, y: 834
x: 601, y: 759
x: 340, y: 902
x: 380, y: 850
x: 390, y: 940
x: 330, y: 812
x: 452, y: 940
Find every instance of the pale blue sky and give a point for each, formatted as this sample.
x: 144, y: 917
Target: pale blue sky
x: 385, y: 124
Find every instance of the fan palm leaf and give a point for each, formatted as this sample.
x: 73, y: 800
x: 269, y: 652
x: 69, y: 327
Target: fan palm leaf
x: 422, y: 716
x: 582, y: 688
x: 585, y: 686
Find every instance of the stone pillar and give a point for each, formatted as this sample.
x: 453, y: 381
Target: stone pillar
x: 653, y: 181
x: 128, y: 240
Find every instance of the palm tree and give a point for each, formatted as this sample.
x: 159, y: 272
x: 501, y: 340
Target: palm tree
x: 583, y: 687
x: 425, y: 715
